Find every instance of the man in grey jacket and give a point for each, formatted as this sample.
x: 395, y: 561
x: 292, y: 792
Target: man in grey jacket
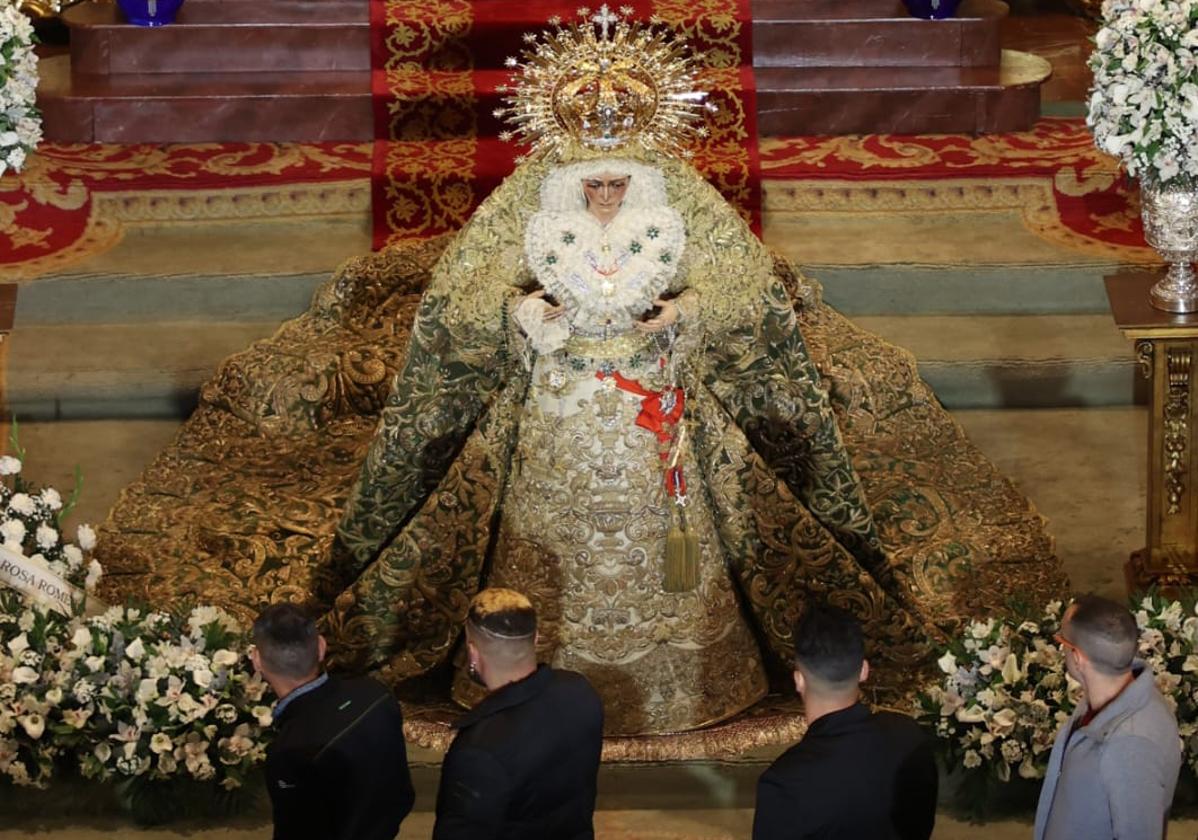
x: 1115, y: 762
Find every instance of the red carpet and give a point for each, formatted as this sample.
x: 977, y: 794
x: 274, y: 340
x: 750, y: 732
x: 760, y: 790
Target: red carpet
x: 437, y: 64
x: 72, y: 201
x: 1090, y: 198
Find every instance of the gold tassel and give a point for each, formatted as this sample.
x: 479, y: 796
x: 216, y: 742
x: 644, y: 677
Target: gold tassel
x: 682, y: 557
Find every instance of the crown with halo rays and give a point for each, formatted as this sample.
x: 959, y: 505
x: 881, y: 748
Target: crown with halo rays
x: 604, y: 83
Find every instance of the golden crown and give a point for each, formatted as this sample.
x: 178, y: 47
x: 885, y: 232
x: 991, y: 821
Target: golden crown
x: 603, y: 83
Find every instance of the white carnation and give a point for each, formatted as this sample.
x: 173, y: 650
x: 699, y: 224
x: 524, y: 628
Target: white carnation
x: 47, y: 537
x: 23, y: 504
x: 94, y: 572
x: 51, y: 498
x: 136, y: 650
x: 86, y: 537
x: 10, y: 465
x: 74, y: 556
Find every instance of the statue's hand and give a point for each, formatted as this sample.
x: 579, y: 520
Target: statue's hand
x: 551, y: 311
x: 667, y: 317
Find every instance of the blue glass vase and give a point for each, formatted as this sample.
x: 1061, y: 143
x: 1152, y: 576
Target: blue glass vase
x: 150, y: 12
x: 932, y: 9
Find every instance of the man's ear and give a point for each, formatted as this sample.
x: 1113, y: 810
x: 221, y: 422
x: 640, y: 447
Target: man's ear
x: 864, y: 671
x: 800, y: 683
x: 322, y: 647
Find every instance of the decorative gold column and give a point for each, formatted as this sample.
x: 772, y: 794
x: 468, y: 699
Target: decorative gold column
x: 1166, y: 345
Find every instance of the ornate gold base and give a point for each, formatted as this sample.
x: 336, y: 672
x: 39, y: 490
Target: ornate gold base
x: 1170, y: 577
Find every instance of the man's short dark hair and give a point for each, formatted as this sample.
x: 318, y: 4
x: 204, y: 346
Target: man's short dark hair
x: 829, y: 645
x: 1105, y: 631
x: 287, y: 640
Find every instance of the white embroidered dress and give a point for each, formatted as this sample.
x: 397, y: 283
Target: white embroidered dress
x: 586, y: 515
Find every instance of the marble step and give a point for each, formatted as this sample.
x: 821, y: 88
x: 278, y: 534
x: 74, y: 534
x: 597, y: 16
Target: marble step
x: 272, y: 37
x: 222, y: 37
x: 312, y: 107
x: 202, y: 288
x: 1018, y: 361
x: 279, y: 36
x: 200, y: 108
x: 794, y: 41
x: 906, y: 100
x: 155, y: 369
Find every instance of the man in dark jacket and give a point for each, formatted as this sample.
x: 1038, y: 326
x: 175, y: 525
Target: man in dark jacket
x: 337, y: 768
x: 525, y: 760
x: 856, y: 774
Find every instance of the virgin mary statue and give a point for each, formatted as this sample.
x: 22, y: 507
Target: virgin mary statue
x: 610, y: 396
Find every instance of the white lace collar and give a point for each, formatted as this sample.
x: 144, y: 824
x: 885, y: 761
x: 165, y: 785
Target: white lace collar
x: 606, y: 275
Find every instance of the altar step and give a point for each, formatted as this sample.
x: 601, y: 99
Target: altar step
x: 285, y: 36
x: 279, y: 70
x: 337, y: 106
x: 217, y: 36
x: 154, y: 369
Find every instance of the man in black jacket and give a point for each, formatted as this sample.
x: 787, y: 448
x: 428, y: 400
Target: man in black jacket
x: 525, y: 760
x: 856, y: 774
x: 337, y: 768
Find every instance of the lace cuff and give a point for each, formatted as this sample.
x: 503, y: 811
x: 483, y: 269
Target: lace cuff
x: 688, y: 306
x: 544, y: 336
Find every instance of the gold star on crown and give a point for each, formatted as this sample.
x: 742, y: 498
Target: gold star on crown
x: 603, y: 83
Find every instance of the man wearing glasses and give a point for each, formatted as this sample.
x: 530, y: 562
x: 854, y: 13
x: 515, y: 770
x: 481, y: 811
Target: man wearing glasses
x: 1115, y: 762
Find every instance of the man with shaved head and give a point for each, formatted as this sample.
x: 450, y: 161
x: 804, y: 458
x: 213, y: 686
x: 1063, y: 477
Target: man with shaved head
x: 525, y: 760
x: 1114, y: 764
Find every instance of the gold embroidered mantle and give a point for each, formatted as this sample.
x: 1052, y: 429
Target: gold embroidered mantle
x: 830, y: 469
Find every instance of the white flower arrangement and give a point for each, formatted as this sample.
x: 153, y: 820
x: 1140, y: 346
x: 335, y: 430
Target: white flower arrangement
x: 1005, y: 692
x: 127, y: 695
x: 30, y: 526
x: 171, y: 699
x: 1169, y: 643
x: 1003, y: 696
x: 20, y: 121
x: 1143, y: 104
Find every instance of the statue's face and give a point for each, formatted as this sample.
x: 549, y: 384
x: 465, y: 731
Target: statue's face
x: 604, y: 194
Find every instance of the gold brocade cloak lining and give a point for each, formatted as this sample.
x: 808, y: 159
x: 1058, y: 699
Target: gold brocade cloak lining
x: 242, y: 508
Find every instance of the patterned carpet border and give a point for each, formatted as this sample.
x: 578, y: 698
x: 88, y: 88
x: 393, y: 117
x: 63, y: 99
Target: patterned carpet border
x: 1067, y: 190
x: 73, y: 201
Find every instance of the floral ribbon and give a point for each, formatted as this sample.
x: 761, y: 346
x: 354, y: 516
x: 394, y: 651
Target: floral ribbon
x: 40, y: 584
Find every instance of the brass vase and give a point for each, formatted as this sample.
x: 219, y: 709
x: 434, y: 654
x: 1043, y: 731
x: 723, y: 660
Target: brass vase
x: 1170, y: 217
